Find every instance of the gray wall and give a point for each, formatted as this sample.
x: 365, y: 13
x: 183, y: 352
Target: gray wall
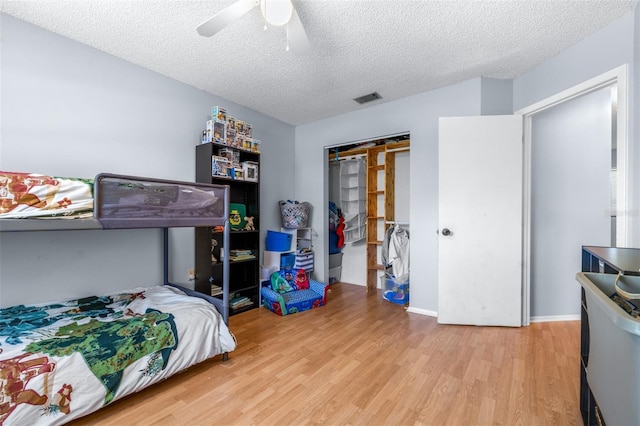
x: 417, y: 115
x: 497, y: 96
x: 614, y: 45
x: 71, y: 110
x: 634, y: 129
x: 601, y: 52
x: 68, y: 109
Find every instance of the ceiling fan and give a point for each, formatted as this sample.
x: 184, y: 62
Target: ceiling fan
x: 275, y: 12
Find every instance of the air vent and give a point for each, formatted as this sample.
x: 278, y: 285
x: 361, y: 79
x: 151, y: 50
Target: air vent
x: 368, y: 98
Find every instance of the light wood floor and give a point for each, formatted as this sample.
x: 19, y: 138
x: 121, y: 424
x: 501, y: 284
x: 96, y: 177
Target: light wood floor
x: 363, y: 361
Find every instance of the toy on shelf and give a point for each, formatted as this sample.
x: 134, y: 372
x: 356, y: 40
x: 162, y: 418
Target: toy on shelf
x: 249, y: 226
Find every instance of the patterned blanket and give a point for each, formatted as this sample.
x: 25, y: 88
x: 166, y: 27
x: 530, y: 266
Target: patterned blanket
x: 25, y: 195
x: 60, y: 361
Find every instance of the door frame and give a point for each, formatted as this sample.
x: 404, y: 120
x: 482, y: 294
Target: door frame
x: 619, y: 77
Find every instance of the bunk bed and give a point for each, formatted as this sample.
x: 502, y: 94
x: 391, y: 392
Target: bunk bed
x: 63, y: 360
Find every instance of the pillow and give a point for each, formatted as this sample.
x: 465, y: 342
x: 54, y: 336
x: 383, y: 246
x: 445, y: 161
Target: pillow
x: 302, y: 282
x: 279, y: 284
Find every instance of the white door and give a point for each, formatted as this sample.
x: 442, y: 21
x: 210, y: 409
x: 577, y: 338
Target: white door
x: 480, y: 220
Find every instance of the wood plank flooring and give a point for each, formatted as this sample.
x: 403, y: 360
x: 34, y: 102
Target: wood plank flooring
x: 360, y: 360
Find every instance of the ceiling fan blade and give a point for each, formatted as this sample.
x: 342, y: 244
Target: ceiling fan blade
x: 225, y: 17
x: 298, y: 41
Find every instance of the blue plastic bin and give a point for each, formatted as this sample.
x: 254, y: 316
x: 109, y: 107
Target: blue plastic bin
x: 287, y: 261
x: 278, y: 241
x: 394, y: 292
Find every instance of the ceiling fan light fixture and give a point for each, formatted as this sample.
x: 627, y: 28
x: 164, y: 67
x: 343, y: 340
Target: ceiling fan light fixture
x: 276, y: 12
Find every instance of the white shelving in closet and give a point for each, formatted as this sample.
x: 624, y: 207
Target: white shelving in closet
x: 353, y: 198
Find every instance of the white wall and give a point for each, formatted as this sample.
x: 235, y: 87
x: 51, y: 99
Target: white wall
x: 417, y: 115
x: 71, y: 110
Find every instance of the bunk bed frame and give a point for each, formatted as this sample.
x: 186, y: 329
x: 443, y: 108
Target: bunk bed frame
x: 107, y: 215
x: 123, y: 202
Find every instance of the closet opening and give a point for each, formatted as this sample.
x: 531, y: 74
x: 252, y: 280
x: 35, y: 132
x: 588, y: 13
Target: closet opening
x: 368, y: 194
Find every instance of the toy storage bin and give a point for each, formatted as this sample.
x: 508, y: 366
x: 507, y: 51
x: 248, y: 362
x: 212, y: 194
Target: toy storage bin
x: 278, y: 241
x: 295, y: 215
x: 304, y: 260
x: 334, y: 274
x: 335, y: 260
x: 613, y: 369
x: 287, y: 261
x: 394, y: 292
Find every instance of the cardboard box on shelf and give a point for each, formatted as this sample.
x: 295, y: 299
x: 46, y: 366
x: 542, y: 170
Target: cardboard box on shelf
x: 219, y: 113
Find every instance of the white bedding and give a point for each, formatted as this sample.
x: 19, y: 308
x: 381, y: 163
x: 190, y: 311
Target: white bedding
x: 61, y: 361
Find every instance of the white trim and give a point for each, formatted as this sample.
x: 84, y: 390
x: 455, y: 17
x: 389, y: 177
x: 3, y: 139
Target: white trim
x: 617, y: 76
x: 420, y: 311
x: 603, y: 80
x: 526, y: 223
x: 556, y: 318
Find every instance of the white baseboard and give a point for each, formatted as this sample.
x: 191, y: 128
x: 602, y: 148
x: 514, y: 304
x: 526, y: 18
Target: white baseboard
x: 554, y: 318
x: 419, y: 311
x: 551, y: 318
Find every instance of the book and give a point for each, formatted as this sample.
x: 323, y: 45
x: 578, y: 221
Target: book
x: 242, y: 305
x: 243, y: 257
x: 239, y: 302
x: 216, y: 290
x: 240, y: 251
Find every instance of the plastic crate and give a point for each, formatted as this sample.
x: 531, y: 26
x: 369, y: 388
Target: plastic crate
x: 334, y: 274
x: 278, y: 241
x: 287, y: 261
x: 394, y: 292
x: 335, y: 260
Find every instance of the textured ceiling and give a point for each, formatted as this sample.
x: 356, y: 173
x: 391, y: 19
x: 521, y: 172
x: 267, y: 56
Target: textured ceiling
x: 397, y: 47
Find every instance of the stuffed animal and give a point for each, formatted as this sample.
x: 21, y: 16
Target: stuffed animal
x: 249, y: 226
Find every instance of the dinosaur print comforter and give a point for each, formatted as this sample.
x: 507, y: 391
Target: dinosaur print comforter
x: 61, y: 361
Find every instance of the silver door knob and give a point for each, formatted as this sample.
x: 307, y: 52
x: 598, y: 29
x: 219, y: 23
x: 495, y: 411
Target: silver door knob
x: 446, y: 232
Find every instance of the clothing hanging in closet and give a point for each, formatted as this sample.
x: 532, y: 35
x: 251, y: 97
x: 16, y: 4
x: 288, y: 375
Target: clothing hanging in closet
x: 395, y: 250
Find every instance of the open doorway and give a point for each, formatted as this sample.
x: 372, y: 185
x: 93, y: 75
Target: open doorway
x: 575, y: 140
x: 368, y: 190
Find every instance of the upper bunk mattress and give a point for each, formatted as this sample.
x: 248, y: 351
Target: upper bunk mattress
x: 113, y: 201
